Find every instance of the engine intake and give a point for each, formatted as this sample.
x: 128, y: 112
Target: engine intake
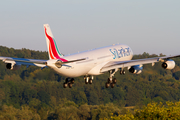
x: 137, y: 69
x: 11, y: 66
x: 169, y: 64
x: 8, y: 65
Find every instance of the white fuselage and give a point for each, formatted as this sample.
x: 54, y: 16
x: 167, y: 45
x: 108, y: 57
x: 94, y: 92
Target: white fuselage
x: 95, y: 60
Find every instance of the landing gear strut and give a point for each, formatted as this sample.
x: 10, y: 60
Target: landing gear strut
x: 111, y: 81
x: 68, y: 82
x: 88, y: 79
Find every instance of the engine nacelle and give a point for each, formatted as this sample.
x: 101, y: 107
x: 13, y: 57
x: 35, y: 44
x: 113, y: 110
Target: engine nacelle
x: 169, y: 64
x: 137, y: 69
x: 11, y: 66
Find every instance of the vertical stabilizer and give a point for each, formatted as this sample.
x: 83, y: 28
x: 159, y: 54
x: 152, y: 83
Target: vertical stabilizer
x: 51, y: 45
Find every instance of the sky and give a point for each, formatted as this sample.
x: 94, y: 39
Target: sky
x: 151, y: 26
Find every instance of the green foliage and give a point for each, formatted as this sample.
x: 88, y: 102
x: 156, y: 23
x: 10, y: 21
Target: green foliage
x: 177, y: 75
x: 41, y: 91
x: 153, y: 111
x: 24, y: 113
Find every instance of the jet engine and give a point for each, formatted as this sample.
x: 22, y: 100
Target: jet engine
x: 11, y: 66
x: 137, y: 69
x: 169, y: 64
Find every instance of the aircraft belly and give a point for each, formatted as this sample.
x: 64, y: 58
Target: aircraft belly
x: 96, y: 69
x: 74, y: 71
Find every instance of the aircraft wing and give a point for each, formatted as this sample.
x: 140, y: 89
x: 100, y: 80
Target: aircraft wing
x: 122, y: 64
x: 23, y: 61
x: 33, y: 62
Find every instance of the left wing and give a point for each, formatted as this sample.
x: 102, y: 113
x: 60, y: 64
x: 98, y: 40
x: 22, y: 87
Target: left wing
x: 122, y: 64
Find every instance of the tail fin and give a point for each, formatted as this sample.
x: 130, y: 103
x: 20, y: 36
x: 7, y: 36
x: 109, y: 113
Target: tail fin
x: 51, y: 45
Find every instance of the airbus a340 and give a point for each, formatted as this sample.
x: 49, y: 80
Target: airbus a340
x: 89, y: 63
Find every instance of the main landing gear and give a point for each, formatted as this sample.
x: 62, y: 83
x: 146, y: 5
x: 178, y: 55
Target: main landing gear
x: 111, y: 81
x: 88, y: 79
x: 68, y: 82
x: 122, y: 72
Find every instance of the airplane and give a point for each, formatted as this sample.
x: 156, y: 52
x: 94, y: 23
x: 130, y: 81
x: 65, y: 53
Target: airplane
x: 89, y: 63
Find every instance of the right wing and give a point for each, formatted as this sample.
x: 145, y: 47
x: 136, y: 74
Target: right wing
x: 23, y: 61
x: 122, y: 64
x: 34, y: 62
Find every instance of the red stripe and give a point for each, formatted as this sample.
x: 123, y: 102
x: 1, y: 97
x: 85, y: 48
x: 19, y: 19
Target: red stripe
x: 52, y: 48
x: 50, y: 53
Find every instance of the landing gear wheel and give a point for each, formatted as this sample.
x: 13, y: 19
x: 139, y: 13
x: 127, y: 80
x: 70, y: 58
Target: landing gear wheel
x: 70, y: 85
x: 107, y: 84
x: 112, y: 85
x: 68, y: 82
x: 90, y: 81
x: 65, y: 85
x: 123, y: 72
x: 120, y: 72
x: 86, y: 82
x: 72, y: 80
x: 114, y: 80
